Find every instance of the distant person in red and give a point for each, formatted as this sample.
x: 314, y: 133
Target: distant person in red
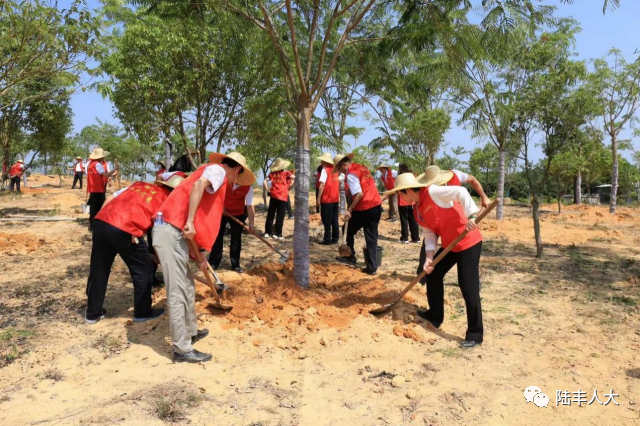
x: 447, y: 211
x: 78, y: 172
x: 388, y: 177
x: 281, y: 180
x: 193, y: 211
x: 329, y: 200
x: 364, y: 212
x: 97, y: 179
x: 15, y: 174
x: 408, y: 223
x: 238, y: 202
x: 161, y: 169
x: 316, y: 175
x: 119, y: 229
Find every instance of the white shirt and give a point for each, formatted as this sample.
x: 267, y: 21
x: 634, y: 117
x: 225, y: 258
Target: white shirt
x: 248, y: 199
x: 120, y: 191
x: 394, y: 173
x: 100, y: 169
x: 354, y: 184
x: 79, y: 166
x: 462, y: 176
x: 167, y: 175
x: 444, y: 196
x: 323, y: 176
x: 215, y: 174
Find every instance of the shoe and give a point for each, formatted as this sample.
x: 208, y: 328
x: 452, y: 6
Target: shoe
x: 424, y: 314
x: 351, y: 261
x: 404, y: 241
x: 324, y: 243
x: 238, y: 270
x: 200, y: 335
x: 194, y: 356
x: 369, y: 271
x: 468, y: 344
x: 93, y: 321
x: 290, y: 217
x: 155, y: 313
x: 266, y: 236
x: 416, y: 242
x: 279, y: 238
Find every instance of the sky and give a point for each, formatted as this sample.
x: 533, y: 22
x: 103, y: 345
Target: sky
x: 600, y: 33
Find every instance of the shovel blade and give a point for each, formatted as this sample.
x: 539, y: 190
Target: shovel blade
x: 284, y: 257
x: 220, y: 306
x: 382, y: 309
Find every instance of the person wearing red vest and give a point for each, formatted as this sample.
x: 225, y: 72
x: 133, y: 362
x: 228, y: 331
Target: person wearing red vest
x: 316, y: 176
x: 364, y: 212
x: 407, y: 220
x: 97, y: 178
x: 118, y: 229
x: 15, y: 174
x: 388, y: 178
x: 329, y: 200
x: 447, y: 211
x: 238, y: 202
x: 281, y: 180
x: 78, y: 172
x: 193, y: 211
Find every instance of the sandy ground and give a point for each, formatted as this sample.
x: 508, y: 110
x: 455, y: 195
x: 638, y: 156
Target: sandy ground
x: 286, y: 356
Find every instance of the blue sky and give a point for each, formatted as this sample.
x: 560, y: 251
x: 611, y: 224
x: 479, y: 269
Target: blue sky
x: 600, y: 33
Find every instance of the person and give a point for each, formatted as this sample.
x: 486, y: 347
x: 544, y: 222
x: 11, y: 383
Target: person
x: 238, y: 202
x: 118, y: 229
x: 78, y: 172
x: 15, y: 174
x: 280, y: 180
x: 364, y: 212
x: 161, y: 169
x: 97, y: 178
x: 316, y: 176
x: 193, y: 211
x: 405, y: 211
x: 328, y: 198
x: 449, y: 178
x: 388, y: 177
x: 447, y: 211
x: 289, y: 208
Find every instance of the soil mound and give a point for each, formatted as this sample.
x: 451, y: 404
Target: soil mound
x: 17, y: 244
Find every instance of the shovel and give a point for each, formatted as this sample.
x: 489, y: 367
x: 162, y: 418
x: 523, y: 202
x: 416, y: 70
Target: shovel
x: 344, y: 250
x: 86, y: 209
x: 195, y: 276
x: 216, y: 304
x: 283, y: 256
x: 385, y: 308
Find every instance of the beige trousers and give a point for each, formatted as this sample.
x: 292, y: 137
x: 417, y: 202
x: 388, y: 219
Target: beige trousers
x: 173, y: 252
x: 393, y: 206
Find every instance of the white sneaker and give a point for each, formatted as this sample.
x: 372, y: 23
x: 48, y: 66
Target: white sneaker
x: 278, y: 238
x: 266, y: 236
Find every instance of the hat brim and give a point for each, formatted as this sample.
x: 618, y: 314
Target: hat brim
x: 441, y: 178
x: 324, y: 159
x: 402, y: 187
x: 96, y: 157
x: 383, y: 166
x: 245, y: 178
x: 349, y: 157
x: 283, y: 166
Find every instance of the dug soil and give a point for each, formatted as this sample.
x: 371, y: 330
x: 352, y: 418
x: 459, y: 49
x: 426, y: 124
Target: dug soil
x: 291, y: 356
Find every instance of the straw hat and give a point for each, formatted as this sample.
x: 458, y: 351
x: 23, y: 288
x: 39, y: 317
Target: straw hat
x: 434, y: 176
x: 326, y: 158
x: 19, y: 160
x: 245, y: 178
x: 383, y: 166
x: 339, y: 158
x: 405, y: 181
x: 173, y: 181
x: 98, y: 153
x: 280, y: 164
x: 78, y: 158
x: 162, y: 164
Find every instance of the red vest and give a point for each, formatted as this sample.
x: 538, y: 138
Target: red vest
x: 234, y: 200
x: 16, y: 170
x: 280, y: 184
x: 317, y: 176
x: 454, y: 181
x: 175, y: 209
x: 133, y: 210
x: 331, y: 191
x: 388, y: 180
x: 447, y: 223
x: 81, y: 166
x: 95, y: 181
x: 370, y: 196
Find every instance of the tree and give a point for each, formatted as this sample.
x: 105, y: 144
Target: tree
x: 618, y: 86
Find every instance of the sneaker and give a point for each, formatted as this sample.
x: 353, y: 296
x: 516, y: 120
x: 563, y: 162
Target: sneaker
x: 200, y: 335
x: 279, y: 238
x: 155, y: 313
x: 416, y: 242
x: 238, y: 270
x: 266, y: 236
x: 325, y: 243
x: 369, y: 271
x: 468, y: 344
x: 93, y: 321
x: 194, y: 357
x: 351, y: 261
x: 404, y: 241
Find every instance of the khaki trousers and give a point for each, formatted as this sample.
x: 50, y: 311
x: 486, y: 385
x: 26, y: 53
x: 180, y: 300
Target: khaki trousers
x: 393, y: 206
x: 173, y: 251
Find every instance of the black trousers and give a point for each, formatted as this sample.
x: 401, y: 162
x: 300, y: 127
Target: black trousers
x: 108, y: 241
x: 468, y: 262
x: 289, y: 209
x: 15, y: 182
x: 96, y: 200
x: 329, y: 214
x: 215, y: 257
x: 367, y: 220
x: 408, y: 223
x: 77, y: 177
x: 276, y: 210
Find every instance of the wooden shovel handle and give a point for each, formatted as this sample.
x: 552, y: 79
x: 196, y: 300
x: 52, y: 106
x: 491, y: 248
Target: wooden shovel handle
x: 254, y: 234
x: 207, y: 273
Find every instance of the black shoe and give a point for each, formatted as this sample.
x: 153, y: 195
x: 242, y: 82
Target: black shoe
x: 194, y: 357
x: 351, y: 261
x: 238, y: 270
x: 416, y: 242
x: 468, y: 344
x: 155, y: 313
x: 369, y: 271
x: 200, y: 335
x: 95, y: 320
x: 324, y: 243
x: 424, y: 314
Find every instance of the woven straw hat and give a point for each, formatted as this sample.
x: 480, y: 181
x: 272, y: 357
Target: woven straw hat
x: 78, y: 158
x: 326, y: 158
x: 173, y: 181
x: 280, y: 164
x: 19, y: 160
x: 245, y: 178
x: 434, y: 176
x: 98, y: 153
x: 405, y: 181
x: 383, y: 166
x: 339, y: 158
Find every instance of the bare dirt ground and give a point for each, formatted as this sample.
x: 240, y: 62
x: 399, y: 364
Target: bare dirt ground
x: 286, y: 356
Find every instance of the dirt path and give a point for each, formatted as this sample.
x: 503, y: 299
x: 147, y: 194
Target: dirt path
x: 285, y: 356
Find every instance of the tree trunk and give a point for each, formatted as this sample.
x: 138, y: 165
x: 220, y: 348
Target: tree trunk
x: 536, y: 226
x: 301, y: 214
x: 577, y: 193
x: 614, y: 174
x: 501, y: 173
x: 46, y: 167
x: 168, y: 157
x: 560, y: 203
